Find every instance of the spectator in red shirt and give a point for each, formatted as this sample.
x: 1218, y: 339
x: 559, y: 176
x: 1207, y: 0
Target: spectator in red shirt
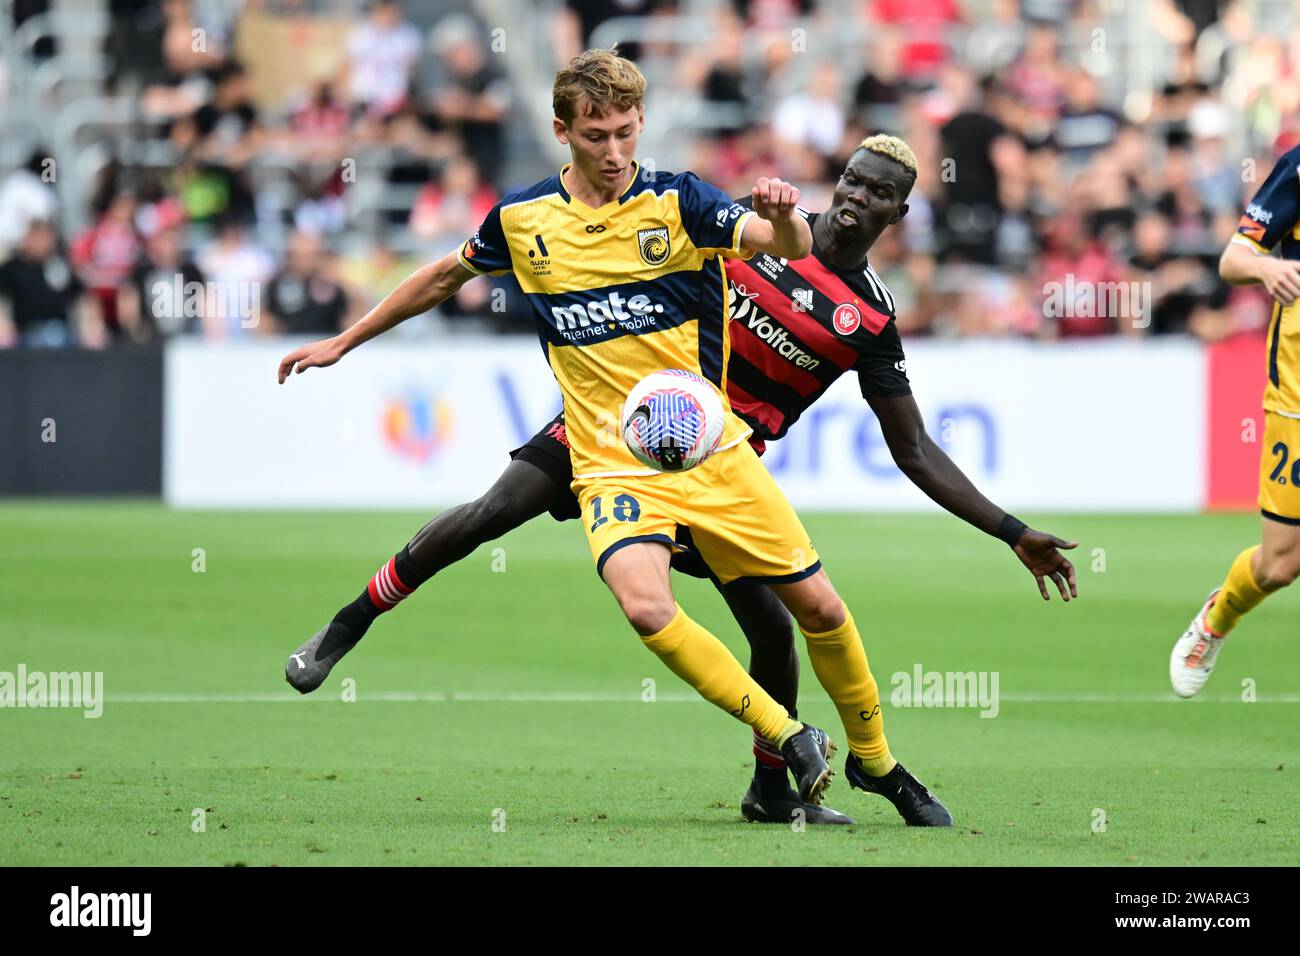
x: 925, y: 26
x: 1075, y: 279
x: 105, y: 255
x: 453, y: 205
x: 1037, y: 80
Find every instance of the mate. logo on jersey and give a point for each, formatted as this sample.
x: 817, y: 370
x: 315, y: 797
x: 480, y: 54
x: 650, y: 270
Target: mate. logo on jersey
x: 653, y: 245
x: 632, y: 313
x: 847, y: 318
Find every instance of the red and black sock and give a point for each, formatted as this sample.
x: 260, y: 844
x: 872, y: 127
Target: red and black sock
x: 769, y: 767
x: 391, y: 584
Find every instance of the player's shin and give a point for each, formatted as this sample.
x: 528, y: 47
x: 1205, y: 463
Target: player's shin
x: 700, y: 659
x: 773, y: 663
x: 1239, y: 595
x: 840, y: 662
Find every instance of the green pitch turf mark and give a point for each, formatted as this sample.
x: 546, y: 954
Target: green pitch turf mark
x: 1079, y: 741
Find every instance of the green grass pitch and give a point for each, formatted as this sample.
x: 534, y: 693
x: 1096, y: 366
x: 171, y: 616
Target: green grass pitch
x: 523, y: 738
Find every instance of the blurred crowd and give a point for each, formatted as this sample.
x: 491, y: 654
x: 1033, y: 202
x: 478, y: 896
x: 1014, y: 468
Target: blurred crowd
x: 1040, y: 162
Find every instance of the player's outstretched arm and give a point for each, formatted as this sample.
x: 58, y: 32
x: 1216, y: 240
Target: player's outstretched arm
x: 1240, y: 265
x: 930, y: 469
x: 777, y: 229
x: 418, y: 293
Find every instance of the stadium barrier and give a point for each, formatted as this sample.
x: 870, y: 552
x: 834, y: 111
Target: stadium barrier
x: 1111, y: 425
x: 77, y: 422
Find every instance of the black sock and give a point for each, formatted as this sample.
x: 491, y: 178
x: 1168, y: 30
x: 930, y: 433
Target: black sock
x: 358, y: 616
x: 361, y: 613
x: 406, y: 570
x: 770, y: 781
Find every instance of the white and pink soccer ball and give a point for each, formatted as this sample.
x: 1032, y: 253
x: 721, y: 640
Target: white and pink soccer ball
x: 673, y: 420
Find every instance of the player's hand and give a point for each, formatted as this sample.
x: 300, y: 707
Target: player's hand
x: 312, y: 355
x: 774, y: 198
x: 1281, y: 278
x: 1037, y: 551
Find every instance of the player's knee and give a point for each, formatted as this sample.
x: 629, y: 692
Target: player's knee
x: 826, y: 612
x: 1279, y: 570
x: 648, y: 615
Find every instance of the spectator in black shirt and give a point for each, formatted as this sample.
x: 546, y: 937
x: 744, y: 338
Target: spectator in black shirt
x: 724, y: 88
x: 1085, y: 126
x: 1180, y: 283
x: 165, y: 293
x: 42, y: 303
x: 580, y: 18
x: 979, y: 147
x: 304, y: 299
x: 225, y: 130
x: 879, y: 93
x: 471, y: 98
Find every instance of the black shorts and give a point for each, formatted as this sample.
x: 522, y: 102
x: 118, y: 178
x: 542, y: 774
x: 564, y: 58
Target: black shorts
x: 549, y: 451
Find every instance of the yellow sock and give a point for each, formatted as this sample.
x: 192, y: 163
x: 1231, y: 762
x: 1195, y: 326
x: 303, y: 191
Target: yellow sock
x: 1240, y: 595
x: 791, y: 728
x: 704, y: 662
x: 840, y: 663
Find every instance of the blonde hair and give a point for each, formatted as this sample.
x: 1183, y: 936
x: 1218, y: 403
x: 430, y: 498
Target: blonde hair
x: 603, y: 78
x: 891, y: 147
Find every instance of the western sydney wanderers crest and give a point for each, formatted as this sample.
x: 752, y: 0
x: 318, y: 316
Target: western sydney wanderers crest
x: 653, y: 245
x: 847, y: 318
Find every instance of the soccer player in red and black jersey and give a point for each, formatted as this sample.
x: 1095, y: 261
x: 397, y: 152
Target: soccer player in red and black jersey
x: 796, y: 326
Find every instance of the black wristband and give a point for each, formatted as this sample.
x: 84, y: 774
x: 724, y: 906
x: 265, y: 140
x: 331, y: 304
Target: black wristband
x: 1010, y: 529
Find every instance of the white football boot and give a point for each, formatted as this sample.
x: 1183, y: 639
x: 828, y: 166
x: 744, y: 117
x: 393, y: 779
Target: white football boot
x: 1194, y: 653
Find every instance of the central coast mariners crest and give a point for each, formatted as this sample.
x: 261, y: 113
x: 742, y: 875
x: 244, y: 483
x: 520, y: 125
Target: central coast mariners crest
x: 653, y: 245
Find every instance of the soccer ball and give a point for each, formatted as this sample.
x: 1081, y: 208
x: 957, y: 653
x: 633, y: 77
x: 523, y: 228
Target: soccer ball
x: 673, y: 420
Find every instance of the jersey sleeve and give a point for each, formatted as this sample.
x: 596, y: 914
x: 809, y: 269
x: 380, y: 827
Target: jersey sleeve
x: 711, y: 219
x: 882, y: 369
x: 1275, y: 209
x: 486, y: 252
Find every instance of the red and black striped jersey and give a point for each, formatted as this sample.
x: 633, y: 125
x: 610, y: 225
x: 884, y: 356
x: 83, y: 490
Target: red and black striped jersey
x: 796, y: 326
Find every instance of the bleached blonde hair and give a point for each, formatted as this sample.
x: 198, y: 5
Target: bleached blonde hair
x: 891, y: 147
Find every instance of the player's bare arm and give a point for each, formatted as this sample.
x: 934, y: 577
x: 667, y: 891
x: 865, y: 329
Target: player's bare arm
x: 1240, y: 265
x: 419, y: 292
x: 929, y: 468
x: 777, y: 229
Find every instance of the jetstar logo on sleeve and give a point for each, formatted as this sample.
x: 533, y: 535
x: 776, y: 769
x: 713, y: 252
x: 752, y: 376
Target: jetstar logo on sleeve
x: 1251, y: 229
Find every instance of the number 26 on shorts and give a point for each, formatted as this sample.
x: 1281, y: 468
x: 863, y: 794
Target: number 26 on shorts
x: 1283, y: 453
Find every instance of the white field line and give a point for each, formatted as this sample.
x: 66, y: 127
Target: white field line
x: 619, y: 697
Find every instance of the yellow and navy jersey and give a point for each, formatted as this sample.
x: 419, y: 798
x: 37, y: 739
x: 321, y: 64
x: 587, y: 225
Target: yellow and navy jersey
x: 617, y: 292
x: 1272, y: 222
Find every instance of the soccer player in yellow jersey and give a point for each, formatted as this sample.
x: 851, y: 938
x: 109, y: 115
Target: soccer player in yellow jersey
x: 623, y: 269
x: 1265, y: 249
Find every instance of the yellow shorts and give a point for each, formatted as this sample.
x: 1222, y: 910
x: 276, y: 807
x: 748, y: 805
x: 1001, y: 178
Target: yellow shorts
x: 1279, y: 469
x: 739, y: 520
